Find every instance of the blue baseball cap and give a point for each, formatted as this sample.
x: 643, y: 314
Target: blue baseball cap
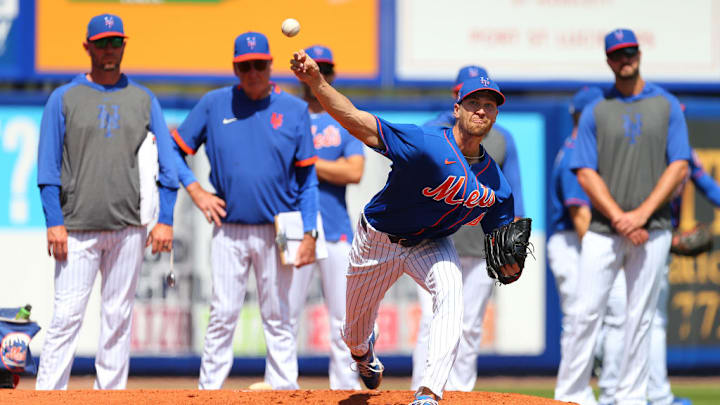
x: 468, y: 72
x: 320, y: 54
x: 251, y: 46
x: 103, y: 26
x: 584, y: 97
x: 619, y: 39
x: 481, y: 83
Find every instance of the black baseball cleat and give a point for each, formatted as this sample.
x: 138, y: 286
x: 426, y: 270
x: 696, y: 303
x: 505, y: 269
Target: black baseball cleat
x: 369, y: 366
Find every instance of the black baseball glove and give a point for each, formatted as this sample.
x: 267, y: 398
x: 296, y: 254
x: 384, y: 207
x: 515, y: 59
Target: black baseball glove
x: 693, y: 242
x: 507, y: 245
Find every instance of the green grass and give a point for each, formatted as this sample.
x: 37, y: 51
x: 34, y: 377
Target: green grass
x: 700, y: 392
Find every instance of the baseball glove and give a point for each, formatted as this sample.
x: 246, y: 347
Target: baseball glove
x: 693, y: 242
x: 507, y: 245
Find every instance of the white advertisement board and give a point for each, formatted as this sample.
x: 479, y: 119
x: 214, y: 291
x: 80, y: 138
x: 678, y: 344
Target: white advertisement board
x: 538, y: 40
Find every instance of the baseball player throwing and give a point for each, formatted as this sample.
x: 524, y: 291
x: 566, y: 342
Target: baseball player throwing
x: 258, y: 141
x: 439, y: 181
x: 89, y: 183
x: 632, y: 152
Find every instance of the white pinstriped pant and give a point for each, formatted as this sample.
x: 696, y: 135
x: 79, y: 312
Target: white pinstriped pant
x: 477, y: 289
x: 235, y: 247
x: 375, y: 265
x: 118, y: 255
x: 601, y: 258
x: 332, y: 272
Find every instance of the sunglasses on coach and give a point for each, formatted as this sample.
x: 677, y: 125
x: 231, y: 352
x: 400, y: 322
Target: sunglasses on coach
x: 623, y: 53
x: 258, y: 65
x: 115, y: 42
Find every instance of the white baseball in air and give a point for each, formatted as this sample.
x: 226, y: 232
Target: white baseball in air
x: 290, y: 27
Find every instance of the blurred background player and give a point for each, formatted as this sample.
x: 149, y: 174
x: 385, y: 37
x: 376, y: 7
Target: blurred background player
x: 470, y: 246
x: 340, y: 162
x: 89, y: 186
x: 632, y: 152
x: 405, y: 227
x: 258, y: 141
x: 570, y: 218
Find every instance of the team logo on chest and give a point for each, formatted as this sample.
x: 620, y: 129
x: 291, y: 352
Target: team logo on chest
x: 276, y: 120
x: 632, y: 124
x: 330, y: 136
x: 448, y: 190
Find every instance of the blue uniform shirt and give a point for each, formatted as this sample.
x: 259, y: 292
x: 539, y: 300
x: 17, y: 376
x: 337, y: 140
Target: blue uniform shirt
x: 565, y: 190
x: 260, y: 151
x: 510, y: 166
x: 331, y: 143
x: 702, y: 180
x: 431, y: 190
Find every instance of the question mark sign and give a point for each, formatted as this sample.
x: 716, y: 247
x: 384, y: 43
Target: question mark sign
x: 20, y: 134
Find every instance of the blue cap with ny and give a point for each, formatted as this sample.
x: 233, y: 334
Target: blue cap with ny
x: 481, y: 83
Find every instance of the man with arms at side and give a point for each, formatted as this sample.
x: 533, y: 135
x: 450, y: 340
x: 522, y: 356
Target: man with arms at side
x: 440, y: 180
x: 340, y: 162
x: 570, y: 219
x: 632, y: 152
x: 469, y: 242
x: 258, y: 141
x: 91, y: 131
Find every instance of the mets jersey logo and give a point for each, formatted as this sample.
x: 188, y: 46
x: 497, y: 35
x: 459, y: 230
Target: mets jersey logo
x: 449, y: 188
x: 251, y: 42
x: 330, y: 136
x: 108, y: 120
x: 109, y: 21
x: 276, y: 120
x: 632, y: 124
x: 13, y: 350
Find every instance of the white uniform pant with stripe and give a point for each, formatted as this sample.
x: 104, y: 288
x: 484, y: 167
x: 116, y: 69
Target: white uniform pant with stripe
x: 611, y: 341
x: 118, y: 255
x: 477, y: 290
x: 234, y: 249
x: 601, y: 258
x: 375, y: 265
x: 332, y: 272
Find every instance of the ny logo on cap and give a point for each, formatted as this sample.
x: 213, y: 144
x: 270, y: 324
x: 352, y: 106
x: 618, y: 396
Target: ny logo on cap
x: 109, y: 22
x: 318, y: 51
x: 251, y: 42
x: 473, y: 72
x: 618, y: 35
x: 484, y: 81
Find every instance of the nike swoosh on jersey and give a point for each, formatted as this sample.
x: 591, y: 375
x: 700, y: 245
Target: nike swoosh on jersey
x: 449, y: 162
x: 229, y: 120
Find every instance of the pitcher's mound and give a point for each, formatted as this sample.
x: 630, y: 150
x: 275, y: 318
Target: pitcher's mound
x: 305, y: 397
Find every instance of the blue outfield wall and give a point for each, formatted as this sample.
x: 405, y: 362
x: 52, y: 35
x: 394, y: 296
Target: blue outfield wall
x: 552, y: 112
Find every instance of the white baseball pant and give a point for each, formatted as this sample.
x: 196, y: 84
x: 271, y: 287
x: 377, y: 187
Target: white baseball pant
x: 477, y: 290
x: 375, y: 265
x: 234, y: 249
x: 611, y: 341
x: 602, y: 257
x: 332, y: 272
x: 118, y: 255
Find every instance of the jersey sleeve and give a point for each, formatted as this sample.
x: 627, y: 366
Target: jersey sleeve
x: 305, y: 154
x: 50, y: 147
x: 678, y: 145
x: 573, y: 194
x: 193, y: 131
x: 511, y: 170
x: 305, y: 174
x: 503, y: 210
x: 400, y: 141
x: 167, y: 173
x: 585, y: 153
x: 703, y: 181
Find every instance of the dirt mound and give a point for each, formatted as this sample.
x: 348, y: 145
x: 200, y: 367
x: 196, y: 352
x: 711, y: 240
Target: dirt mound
x: 305, y: 397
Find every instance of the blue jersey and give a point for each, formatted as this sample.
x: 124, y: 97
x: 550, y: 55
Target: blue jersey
x: 565, y: 191
x: 431, y: 190
x: 331, y: 143
x: 509, y: 164
x: 702, y: 180
x: 260, y: 151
